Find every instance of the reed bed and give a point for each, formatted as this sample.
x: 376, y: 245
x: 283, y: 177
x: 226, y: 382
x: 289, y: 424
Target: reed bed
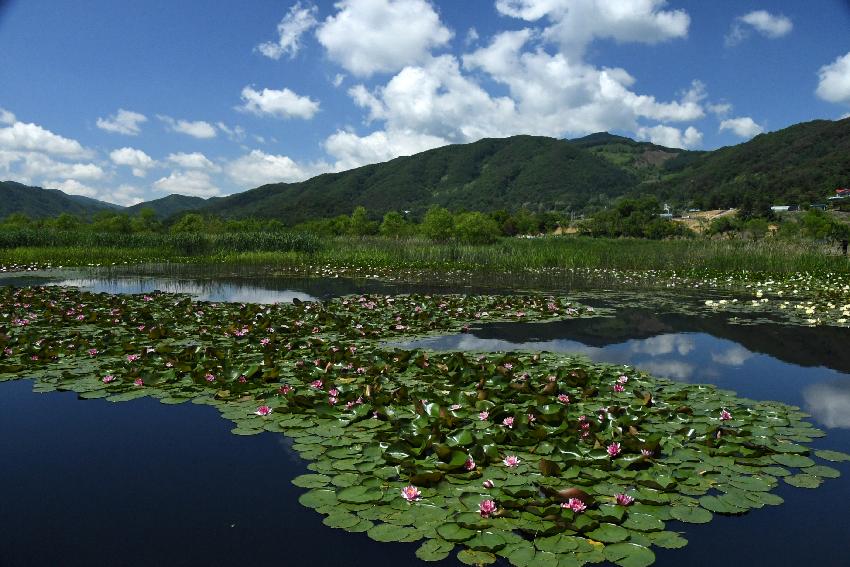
x: 302, y: 251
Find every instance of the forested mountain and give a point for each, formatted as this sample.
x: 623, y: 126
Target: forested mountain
x: 800, y: 164
x: 168, y: 206
x: 520, y: 171
x: 36, y: 202
x: 797, y: 165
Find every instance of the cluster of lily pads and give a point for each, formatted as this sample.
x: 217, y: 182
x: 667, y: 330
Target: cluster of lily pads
x: 540, y: 459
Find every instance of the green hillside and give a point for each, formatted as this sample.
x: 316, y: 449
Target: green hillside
x: 530, y: 171
x: 168, y: 206
x: 36, y: 202
x: 797, y: 165
x: 644, y: 160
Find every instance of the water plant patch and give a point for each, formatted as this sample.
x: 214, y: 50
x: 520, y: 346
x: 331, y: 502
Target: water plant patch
x: 537, y: 458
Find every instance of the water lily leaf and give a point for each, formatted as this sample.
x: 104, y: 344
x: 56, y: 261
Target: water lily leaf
x: 548, y: 468
x: 629, y: 555
x: 643, y: 523
x: 318, y: 498
x: 803, y: 480
x: 667, y: 540
x: 691, y: 514
x: 470, y: 557
x: 311, y: 480
x: 341, y: 520
x: 359, y: 494
x: 392, y: 532
x: 345, y: 480
x: 823, y: 471
x: 834, y: 456
x: 454, y: 532
x: 790, y: 460
x: 609, y: 533
x: 434, y: 550
x: 486, y: 541
x: 557, y: 543
x: 721, y: 505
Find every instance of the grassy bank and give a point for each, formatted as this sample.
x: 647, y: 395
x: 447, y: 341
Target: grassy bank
x: 299, y: 252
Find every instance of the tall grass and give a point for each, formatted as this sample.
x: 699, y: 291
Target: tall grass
x: 303, y: 252
x: 188, y: 244
x: 773, y: 256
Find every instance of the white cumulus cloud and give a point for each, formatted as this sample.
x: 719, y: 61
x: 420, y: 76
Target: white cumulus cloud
x: 744, y: 127
x: 193, y: 182
x: 123, y: 122
x: 6, y: 117
x: 137, y: 160
x: 573, y: 24
x: 350, y: 150
x: 834, y: 80
x: 281, y: 103
x: 73, y: 187
x: 194, y: 160
x: 259, y: 168
x: 24, y: 136
x: 34, y: 165
x: 197, y: 129
x: 671, y: 137
x: 372, y: 36
x: 763, y: 22
x: 299, y: 20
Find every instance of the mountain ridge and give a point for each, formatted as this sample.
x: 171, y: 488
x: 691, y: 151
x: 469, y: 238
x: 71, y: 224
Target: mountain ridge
x: 799, y: 164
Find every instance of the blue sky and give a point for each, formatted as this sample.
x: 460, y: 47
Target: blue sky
x: 130, y: 101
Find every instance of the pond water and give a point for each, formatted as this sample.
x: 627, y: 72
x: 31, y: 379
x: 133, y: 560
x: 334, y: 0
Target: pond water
x: 89, y: 482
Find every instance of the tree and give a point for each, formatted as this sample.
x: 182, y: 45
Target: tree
x: 476, y: 228
x: 17, y: 220
x: 393, y: 225
x: 360, y: 223
x: 438, y: 224
x: 146, y: 221
x: 192, y: 223
x: 67, y: 221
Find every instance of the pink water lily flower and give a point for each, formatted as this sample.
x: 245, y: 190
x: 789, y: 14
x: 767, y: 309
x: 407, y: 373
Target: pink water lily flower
x: 725, y: 415
x: 484, y: 415
x: 511, y: 461
x: 618, y: 387
x: 469, y: 464
x: 508, y: 422
x: 263, y: 411
x: 132, y: 357
x: 574, y: 504
x: 624, y: 499
x: 488, y: 484
x: 455, y: 407
x: 563, y: 398
x: 333, y: 392
x: 613, y: 449
x: 411, y: 493
x: 486, y: 508
x: 138, y: 382
x: 317, y: 384
x: 108, y: 378
x: 285, y: 389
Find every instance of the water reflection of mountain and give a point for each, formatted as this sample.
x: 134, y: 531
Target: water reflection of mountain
x: 803, y: 346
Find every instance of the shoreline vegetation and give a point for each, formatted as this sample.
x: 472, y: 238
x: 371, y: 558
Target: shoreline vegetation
x: 303, y: 252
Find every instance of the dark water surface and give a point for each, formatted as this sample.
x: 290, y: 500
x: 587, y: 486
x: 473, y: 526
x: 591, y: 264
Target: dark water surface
x: 90, y: 482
